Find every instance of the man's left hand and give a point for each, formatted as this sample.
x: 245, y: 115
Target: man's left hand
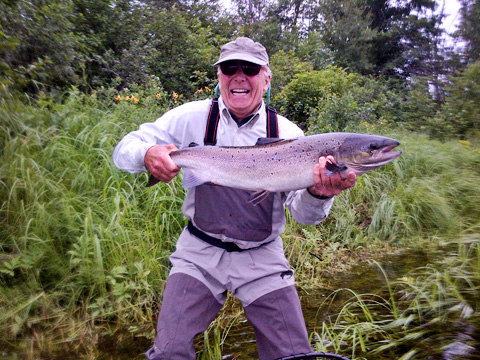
x: 332, y: 185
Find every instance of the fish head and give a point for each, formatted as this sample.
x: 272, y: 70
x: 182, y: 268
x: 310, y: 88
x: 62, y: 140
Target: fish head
x: 361, y: 153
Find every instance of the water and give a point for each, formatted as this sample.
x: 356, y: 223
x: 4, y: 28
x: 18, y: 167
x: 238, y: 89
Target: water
x: 453, y: 339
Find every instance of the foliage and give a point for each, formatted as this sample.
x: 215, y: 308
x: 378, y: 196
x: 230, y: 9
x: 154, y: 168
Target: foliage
x: 38, y: 48
x: 382, y: 37
x: 469, y: 30
x: 346, y: 31
x: 416, y: 105
x: 77, y: 245
x: 85, y: 246
x: 311, y: 90
x: 284, y: 66
x: 460, y: 116
x: 429, y: 312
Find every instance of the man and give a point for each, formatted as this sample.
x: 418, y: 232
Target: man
x: 229, y: 244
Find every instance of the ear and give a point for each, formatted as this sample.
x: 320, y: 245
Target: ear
x: 267, y: 82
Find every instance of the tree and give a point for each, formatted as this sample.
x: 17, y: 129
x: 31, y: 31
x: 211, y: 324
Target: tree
x: 460, y: 116
x: 346, y: 30
x: 381, y: 37
x: 469, y: 30
x: 37, y: 45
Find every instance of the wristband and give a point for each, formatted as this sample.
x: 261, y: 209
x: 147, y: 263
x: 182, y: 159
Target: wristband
x: 320, y: 197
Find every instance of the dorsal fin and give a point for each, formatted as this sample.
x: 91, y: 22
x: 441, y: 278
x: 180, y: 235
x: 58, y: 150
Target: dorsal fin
x: 266, y: 141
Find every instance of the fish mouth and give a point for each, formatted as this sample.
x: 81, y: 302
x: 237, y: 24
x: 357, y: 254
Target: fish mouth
x: 375, y: 158
x: 385, y: 154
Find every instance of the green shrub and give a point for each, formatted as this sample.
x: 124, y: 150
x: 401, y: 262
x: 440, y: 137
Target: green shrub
x: 311, y: 90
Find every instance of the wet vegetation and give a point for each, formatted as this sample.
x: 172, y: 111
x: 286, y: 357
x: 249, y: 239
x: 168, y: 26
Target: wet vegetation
x: 84, y: 247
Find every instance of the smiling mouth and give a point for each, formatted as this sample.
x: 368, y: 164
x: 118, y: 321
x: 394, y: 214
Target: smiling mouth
x: 240, y: 91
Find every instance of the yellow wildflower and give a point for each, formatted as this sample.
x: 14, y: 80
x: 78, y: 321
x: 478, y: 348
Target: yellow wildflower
x: 175, y: 96
x: 118, y: 98
x: 158, y: 96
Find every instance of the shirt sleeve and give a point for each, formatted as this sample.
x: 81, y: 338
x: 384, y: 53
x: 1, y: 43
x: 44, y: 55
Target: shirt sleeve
x: 307, y: 209
x: 170, y: 128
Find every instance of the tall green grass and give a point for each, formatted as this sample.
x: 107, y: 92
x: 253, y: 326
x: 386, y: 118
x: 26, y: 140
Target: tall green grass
x: 84, y: 247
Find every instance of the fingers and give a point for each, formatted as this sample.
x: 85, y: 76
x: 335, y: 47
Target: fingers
x: 159, y: 163
x: 332, y: 185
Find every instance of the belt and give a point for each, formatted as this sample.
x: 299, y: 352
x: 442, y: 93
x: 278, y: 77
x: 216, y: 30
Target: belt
x: 227, y: 246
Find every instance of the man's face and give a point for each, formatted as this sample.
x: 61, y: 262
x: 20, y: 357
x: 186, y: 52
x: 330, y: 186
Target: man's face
x: 242, y: 93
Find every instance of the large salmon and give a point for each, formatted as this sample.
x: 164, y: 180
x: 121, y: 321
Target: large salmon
x: 282, y: 165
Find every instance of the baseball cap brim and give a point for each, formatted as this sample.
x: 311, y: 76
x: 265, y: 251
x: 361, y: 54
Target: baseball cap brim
x: 242, y: 56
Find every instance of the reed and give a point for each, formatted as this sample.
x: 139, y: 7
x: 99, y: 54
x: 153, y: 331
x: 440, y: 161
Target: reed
x: 85, y: 247
x: 426, y: 313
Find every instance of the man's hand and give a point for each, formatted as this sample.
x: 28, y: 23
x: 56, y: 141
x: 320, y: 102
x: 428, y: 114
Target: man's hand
x: 159, y: 163
x: 329, y: 186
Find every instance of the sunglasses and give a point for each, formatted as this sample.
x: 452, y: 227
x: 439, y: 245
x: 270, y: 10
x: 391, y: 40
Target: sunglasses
x: 230, y: 68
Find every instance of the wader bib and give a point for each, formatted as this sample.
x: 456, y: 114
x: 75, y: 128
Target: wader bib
x: 225, y: 211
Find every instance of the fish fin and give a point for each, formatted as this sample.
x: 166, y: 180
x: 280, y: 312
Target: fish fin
x: 331, y: 169
x: 258, y: 196
x: 193, y: 144
x: 266, y: 141
x: 152, y: 180
x: 191, y: 179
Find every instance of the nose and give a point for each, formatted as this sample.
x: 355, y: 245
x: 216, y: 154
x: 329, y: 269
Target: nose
x: 239, y: 73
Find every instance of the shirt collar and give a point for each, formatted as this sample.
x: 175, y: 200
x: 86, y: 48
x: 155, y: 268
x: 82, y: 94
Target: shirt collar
x: 239, y: 122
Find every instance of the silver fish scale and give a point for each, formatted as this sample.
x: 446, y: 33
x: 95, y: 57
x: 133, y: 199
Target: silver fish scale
x: 281, y: 166
x: 284, y: 165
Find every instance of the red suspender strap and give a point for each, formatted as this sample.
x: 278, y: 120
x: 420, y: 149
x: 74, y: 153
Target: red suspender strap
x: 212, y: 124
x: 214, y: 116
x: 272, y: 123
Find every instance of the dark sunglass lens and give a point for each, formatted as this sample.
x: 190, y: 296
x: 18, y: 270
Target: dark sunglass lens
x: 229, y: 67
x: 251, y: 69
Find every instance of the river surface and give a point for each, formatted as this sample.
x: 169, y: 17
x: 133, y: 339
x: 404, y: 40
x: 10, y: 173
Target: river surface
x: 362, y: 279
x: 453, y: 339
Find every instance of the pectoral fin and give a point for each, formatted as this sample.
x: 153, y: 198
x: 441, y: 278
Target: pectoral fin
x: 331, y: 169
x: 152, y: 180
x: 191, y: 179
x: 258, y: 196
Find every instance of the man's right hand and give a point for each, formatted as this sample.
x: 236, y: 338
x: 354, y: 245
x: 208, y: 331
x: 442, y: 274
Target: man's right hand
x: 159, y: 163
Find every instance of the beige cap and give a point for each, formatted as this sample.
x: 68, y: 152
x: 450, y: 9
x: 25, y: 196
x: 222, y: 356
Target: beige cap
x: 244, y: 49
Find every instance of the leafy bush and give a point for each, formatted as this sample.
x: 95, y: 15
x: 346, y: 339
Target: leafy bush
x: 311, y: 90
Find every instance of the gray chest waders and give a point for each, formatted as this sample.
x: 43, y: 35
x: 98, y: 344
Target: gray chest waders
x: 188, y: 305
x: 225, y: 211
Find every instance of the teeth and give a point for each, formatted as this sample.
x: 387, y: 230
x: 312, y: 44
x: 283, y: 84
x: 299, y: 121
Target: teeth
x: 240, y: 91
